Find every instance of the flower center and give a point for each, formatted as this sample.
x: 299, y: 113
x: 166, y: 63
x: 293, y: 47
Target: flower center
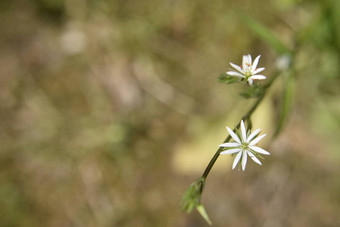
x: 244, y: 146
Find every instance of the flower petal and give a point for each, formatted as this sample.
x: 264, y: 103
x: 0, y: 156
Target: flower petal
x: 244, y: 62
x: 244, y: 160
x: 257, y: 131
x: 238, y: 68
x: 258, y: 77
x: 252, y: 156
x: 243, y: 131
x: 249, y: 59
x: 237, y: 159
x: 256, y: 140
x: 233, y: 73
x: 231, y: 144
x: 258, y: 70
x: 250, y: 81
x: 256, y: 61
x: 259, y: 150
x: 233, y: 135
x: 231, y: 151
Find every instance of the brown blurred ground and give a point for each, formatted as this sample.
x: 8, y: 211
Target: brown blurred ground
x: 110, y: 109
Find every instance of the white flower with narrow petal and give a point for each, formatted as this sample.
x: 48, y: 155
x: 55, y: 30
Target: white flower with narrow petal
x: 248, y: 70
x: 244, y: 145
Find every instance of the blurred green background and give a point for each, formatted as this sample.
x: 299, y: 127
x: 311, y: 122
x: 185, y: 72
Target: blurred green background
x: 110, y: 109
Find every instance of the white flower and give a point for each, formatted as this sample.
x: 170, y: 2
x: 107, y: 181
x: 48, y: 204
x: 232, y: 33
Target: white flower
x: 248, y: 69
x: 244, y: 145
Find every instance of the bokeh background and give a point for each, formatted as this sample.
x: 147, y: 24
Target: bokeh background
x: 110, y: 109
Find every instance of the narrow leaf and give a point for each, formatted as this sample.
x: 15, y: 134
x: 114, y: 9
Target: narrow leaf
x: 204, y: 214
x: 192, y: 197
x: 286, y: 102
x: 264, y: 33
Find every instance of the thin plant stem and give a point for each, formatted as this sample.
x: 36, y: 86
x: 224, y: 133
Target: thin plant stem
x: 244, y: 117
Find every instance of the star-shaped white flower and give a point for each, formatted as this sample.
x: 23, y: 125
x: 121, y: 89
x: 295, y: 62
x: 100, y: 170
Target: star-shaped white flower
x: 248, y: 70
x: 244, y: 145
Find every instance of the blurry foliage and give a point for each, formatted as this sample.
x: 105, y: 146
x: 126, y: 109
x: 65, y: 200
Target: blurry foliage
x: 252, y: 92
x: 53, y: 10
x: 95, y: 96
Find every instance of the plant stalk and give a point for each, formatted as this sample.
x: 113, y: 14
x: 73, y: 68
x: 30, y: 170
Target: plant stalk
x: 244, y: 117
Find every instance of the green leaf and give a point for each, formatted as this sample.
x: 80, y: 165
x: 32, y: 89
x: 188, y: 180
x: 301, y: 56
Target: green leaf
x: 286, y: 102
x: 204, y: 214
x: 264, y: 33
x: 336, y: 21
x: 192, y: 197
x: 223, y: 78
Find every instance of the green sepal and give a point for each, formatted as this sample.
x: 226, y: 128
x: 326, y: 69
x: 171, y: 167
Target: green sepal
x: 224, y: 78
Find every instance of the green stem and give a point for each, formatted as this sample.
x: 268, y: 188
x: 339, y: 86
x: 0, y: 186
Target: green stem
x: 244, y: 117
